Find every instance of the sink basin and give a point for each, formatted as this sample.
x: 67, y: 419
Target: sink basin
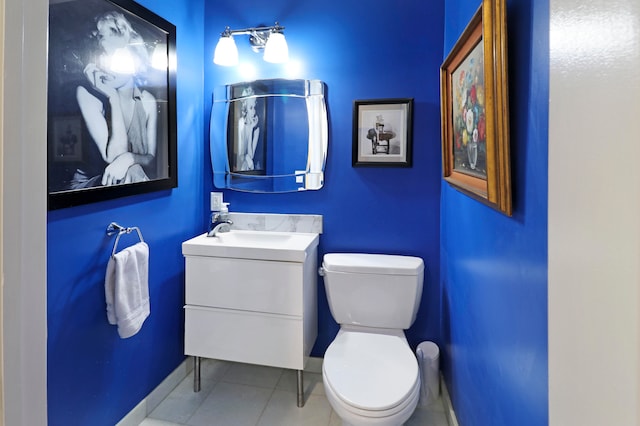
x: 247, y: 244
x: 254, y: 239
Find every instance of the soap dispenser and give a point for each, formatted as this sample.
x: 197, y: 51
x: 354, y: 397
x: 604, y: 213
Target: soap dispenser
x: 224, y: 212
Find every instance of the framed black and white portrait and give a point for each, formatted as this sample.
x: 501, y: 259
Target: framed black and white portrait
x: 111, y: 101
x: 382, y: 133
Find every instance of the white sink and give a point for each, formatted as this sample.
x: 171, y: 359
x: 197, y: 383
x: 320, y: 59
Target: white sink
x: 247, y: 244
x: 254, y: 239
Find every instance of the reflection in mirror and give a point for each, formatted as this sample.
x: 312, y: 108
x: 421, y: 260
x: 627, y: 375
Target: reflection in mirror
x: 269, y: 136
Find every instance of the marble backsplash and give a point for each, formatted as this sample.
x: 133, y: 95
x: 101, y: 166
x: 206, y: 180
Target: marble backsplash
x: 277, y: 222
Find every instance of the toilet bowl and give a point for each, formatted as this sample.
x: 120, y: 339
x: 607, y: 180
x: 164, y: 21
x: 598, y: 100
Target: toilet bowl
x: 370, y: 373
x: 371, y: 378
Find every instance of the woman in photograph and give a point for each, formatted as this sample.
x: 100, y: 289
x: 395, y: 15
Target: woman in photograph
x: 248, y: 132
x: 120, y: 116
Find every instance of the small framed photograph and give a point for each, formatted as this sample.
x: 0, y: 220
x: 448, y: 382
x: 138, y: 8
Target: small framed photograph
x: 111, y: 102
x: 475, y: 110
x: 382, y: 132
x: 67, y: 138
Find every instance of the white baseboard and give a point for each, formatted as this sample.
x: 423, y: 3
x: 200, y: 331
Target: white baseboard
x: 148, y: 404
x: 446, y: 402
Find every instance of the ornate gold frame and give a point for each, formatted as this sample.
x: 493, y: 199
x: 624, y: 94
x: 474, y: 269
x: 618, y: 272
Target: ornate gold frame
x: 493, y: 186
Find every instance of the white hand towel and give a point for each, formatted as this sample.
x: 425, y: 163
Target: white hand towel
x: 127, y: 289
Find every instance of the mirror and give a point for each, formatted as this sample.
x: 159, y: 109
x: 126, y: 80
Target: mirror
x: 269, y: 136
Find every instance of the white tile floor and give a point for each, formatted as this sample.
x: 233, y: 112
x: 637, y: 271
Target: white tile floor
x: 234, y: 394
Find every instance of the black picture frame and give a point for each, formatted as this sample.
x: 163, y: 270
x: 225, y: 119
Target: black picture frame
x: 85, y: 37
x: 383, y: 133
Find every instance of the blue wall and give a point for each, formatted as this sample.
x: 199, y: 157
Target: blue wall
x: 94, y: 377
x: 360, y: 52
x: 494, y: 268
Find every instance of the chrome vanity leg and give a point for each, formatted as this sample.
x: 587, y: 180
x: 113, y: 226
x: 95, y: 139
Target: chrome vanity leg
x: 300, y: 389
x: 196, y: 374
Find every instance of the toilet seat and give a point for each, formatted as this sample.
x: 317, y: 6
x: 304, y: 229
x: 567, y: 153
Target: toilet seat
x: 372, y: 375
x: 356, y: 416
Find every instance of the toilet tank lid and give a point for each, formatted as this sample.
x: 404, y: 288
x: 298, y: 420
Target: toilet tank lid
x: 379, y: 264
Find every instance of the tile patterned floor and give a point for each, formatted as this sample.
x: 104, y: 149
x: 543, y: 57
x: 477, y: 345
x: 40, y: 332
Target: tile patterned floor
x: 234, y: 394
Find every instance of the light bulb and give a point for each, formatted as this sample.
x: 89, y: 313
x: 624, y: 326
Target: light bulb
x: 226, y: 53
x: 276, y: 49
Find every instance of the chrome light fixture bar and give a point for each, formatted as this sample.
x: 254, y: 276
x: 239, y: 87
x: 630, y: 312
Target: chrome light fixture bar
x: 268, y: 39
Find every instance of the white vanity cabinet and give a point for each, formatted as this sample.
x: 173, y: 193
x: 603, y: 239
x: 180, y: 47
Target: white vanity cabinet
x: 251, y: 300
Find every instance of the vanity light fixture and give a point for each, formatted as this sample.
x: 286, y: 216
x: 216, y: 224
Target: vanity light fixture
x: 268, y: 39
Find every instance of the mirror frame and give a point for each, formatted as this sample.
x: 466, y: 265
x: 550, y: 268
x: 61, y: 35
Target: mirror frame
x: 230, y: 176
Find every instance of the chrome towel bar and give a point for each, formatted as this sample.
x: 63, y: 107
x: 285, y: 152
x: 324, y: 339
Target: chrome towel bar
x: 115, y: 228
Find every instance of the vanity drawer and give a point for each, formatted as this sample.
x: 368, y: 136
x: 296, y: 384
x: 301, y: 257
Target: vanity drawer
x: 250, y: 285
x: 250, y: 337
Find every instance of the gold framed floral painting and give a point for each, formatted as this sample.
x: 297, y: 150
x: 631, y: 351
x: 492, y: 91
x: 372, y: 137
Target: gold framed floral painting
x: 474, y: 108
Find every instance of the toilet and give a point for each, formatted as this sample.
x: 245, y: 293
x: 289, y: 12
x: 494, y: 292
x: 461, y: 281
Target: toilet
x: 370, y: 373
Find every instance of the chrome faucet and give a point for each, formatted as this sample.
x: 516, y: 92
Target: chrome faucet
x: 219, y: 223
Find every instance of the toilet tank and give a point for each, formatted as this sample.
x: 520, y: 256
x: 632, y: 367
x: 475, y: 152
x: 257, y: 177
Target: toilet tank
x: 373, y: 290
